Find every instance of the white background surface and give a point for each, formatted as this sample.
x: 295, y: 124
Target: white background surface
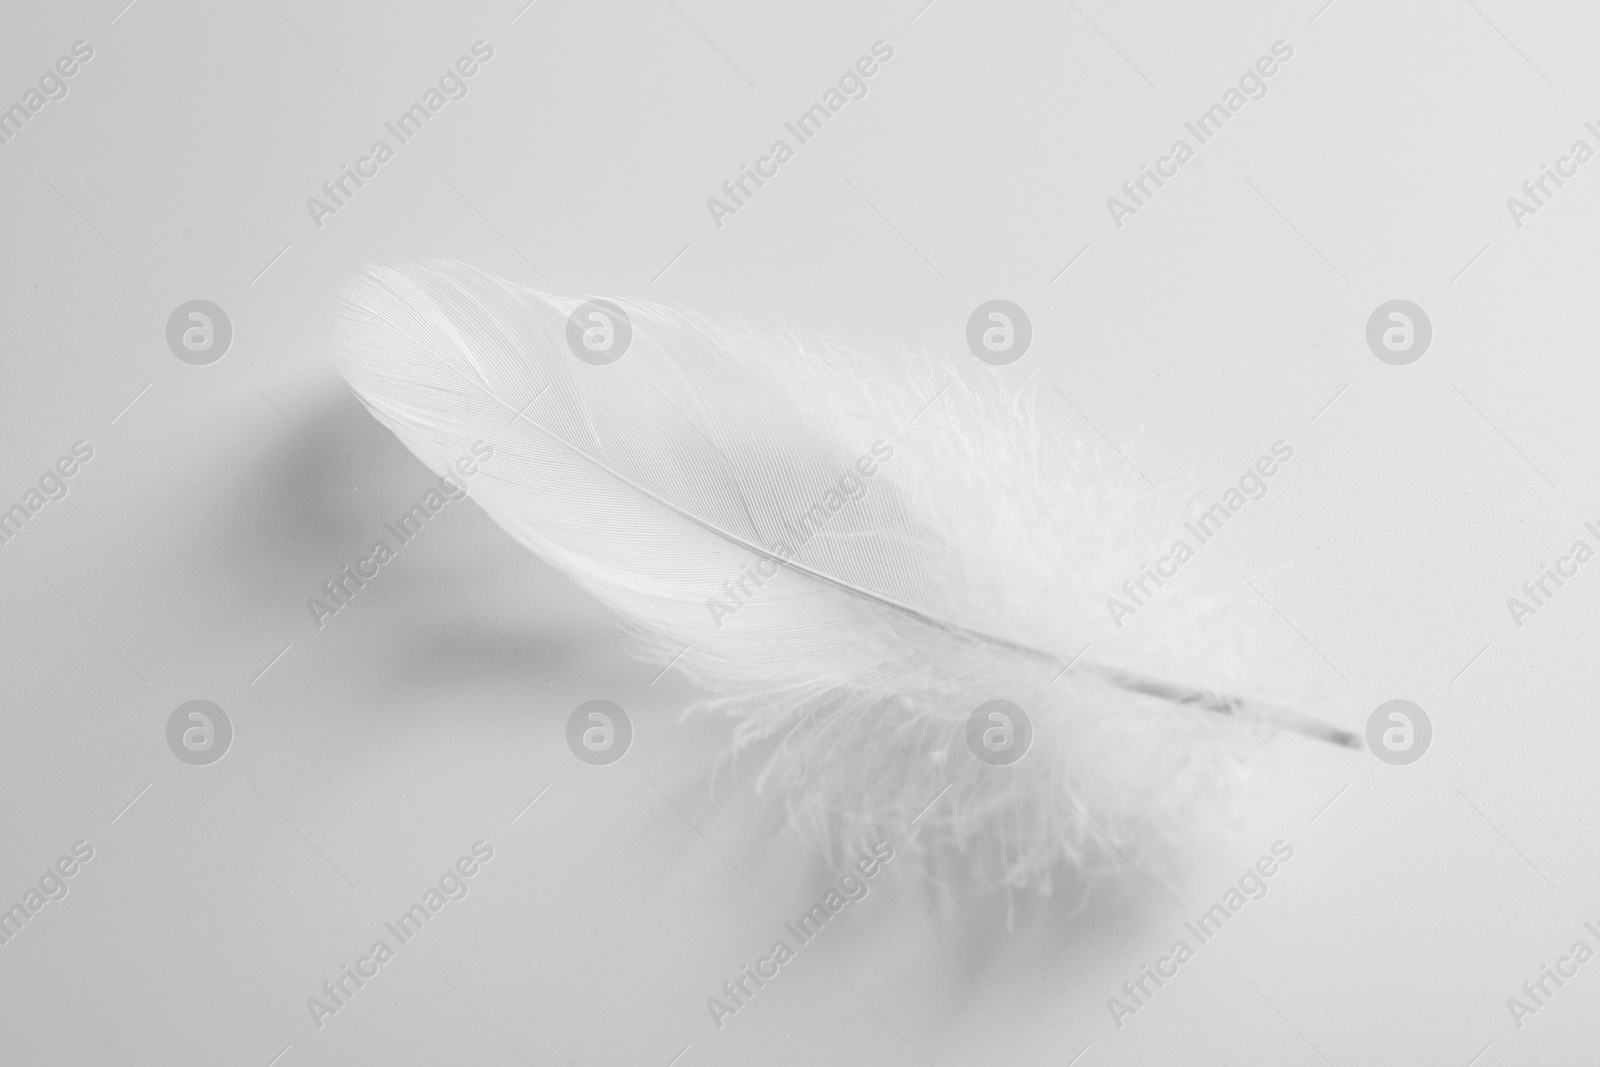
x: 1225, y: 315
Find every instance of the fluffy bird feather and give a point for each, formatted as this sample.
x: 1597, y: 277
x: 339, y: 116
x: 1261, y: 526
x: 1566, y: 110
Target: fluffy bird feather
x: 846, y: 553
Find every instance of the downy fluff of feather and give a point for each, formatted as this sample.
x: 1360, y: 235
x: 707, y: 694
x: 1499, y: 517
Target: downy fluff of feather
x: 973, y: 563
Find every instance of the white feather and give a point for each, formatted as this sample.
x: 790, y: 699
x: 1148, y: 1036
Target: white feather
x: 973, y: 567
